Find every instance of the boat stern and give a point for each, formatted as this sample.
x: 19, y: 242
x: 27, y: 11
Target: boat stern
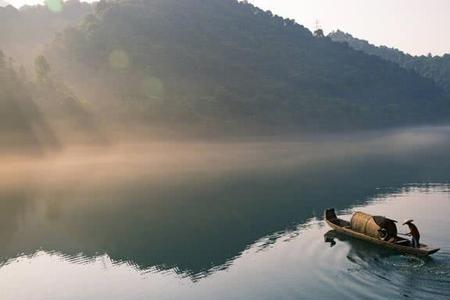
x: 330, y: 214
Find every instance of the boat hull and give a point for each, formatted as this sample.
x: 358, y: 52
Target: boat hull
x: 341, y: 226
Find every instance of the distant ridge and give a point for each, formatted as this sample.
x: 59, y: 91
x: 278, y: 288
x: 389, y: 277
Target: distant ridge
x: 433, y: 67
x: 3, y: 3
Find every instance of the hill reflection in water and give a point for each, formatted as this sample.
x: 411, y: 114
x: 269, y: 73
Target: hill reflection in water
x: 195, y: 208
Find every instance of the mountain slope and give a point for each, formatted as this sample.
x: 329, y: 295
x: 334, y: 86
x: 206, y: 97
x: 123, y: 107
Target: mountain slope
x: 22, y: 126
x: 229, y: 64
x: 433, y: 67
x: 26, y: 30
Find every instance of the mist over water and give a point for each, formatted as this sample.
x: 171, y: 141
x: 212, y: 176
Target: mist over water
x: 204, y: 220
x: 155, y: 150
x: 158, y: 158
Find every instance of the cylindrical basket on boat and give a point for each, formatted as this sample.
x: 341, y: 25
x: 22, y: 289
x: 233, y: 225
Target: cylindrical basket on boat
x: 374, y: 226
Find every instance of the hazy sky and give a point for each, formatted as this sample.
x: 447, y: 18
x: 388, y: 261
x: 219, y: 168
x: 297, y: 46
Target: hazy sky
x: 414, y: 26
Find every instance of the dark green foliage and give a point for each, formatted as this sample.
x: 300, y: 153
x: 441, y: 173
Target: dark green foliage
x: 319, y: 33
x: 433, y: 67
x: 39, y: 115
x: 47, y: 102
x: 208, y: 64
x: 229, y: 64
x: 21, y: 122
x: 25, y: 30
x: 68, y: 116
x: 42, y: 68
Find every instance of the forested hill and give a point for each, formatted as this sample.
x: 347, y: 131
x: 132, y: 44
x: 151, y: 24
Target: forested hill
x: 434, y: 67
x: 22, y: 125
x: 24, y: 31
x: 228, y: 63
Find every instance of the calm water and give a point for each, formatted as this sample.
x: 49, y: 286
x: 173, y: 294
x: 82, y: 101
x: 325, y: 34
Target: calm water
x: 235, y: 221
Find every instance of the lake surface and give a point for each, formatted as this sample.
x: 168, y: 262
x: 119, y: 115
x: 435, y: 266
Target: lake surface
x: 235, y: 220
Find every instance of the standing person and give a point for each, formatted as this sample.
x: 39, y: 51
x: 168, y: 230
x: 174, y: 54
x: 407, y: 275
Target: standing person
x: 413, y: 232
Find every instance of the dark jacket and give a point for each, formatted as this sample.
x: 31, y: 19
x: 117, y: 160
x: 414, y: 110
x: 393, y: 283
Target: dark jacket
x: 414, y: 231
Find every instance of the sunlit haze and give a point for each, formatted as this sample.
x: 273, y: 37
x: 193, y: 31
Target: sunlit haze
x: 224, y: 149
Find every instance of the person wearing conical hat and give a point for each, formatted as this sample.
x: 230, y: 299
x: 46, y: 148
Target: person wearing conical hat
x: 413, y: 232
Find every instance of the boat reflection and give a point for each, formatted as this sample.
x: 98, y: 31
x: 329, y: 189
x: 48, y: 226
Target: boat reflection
x: 198, y: 223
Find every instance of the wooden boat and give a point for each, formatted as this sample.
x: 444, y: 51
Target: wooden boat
x: 394, y: 242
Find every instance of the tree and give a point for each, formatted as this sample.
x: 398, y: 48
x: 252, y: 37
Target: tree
x: 319, y: 33
x: 101, y: 6
x: 2, y: 58
x: 42, y: 68
x: 191, y: 61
